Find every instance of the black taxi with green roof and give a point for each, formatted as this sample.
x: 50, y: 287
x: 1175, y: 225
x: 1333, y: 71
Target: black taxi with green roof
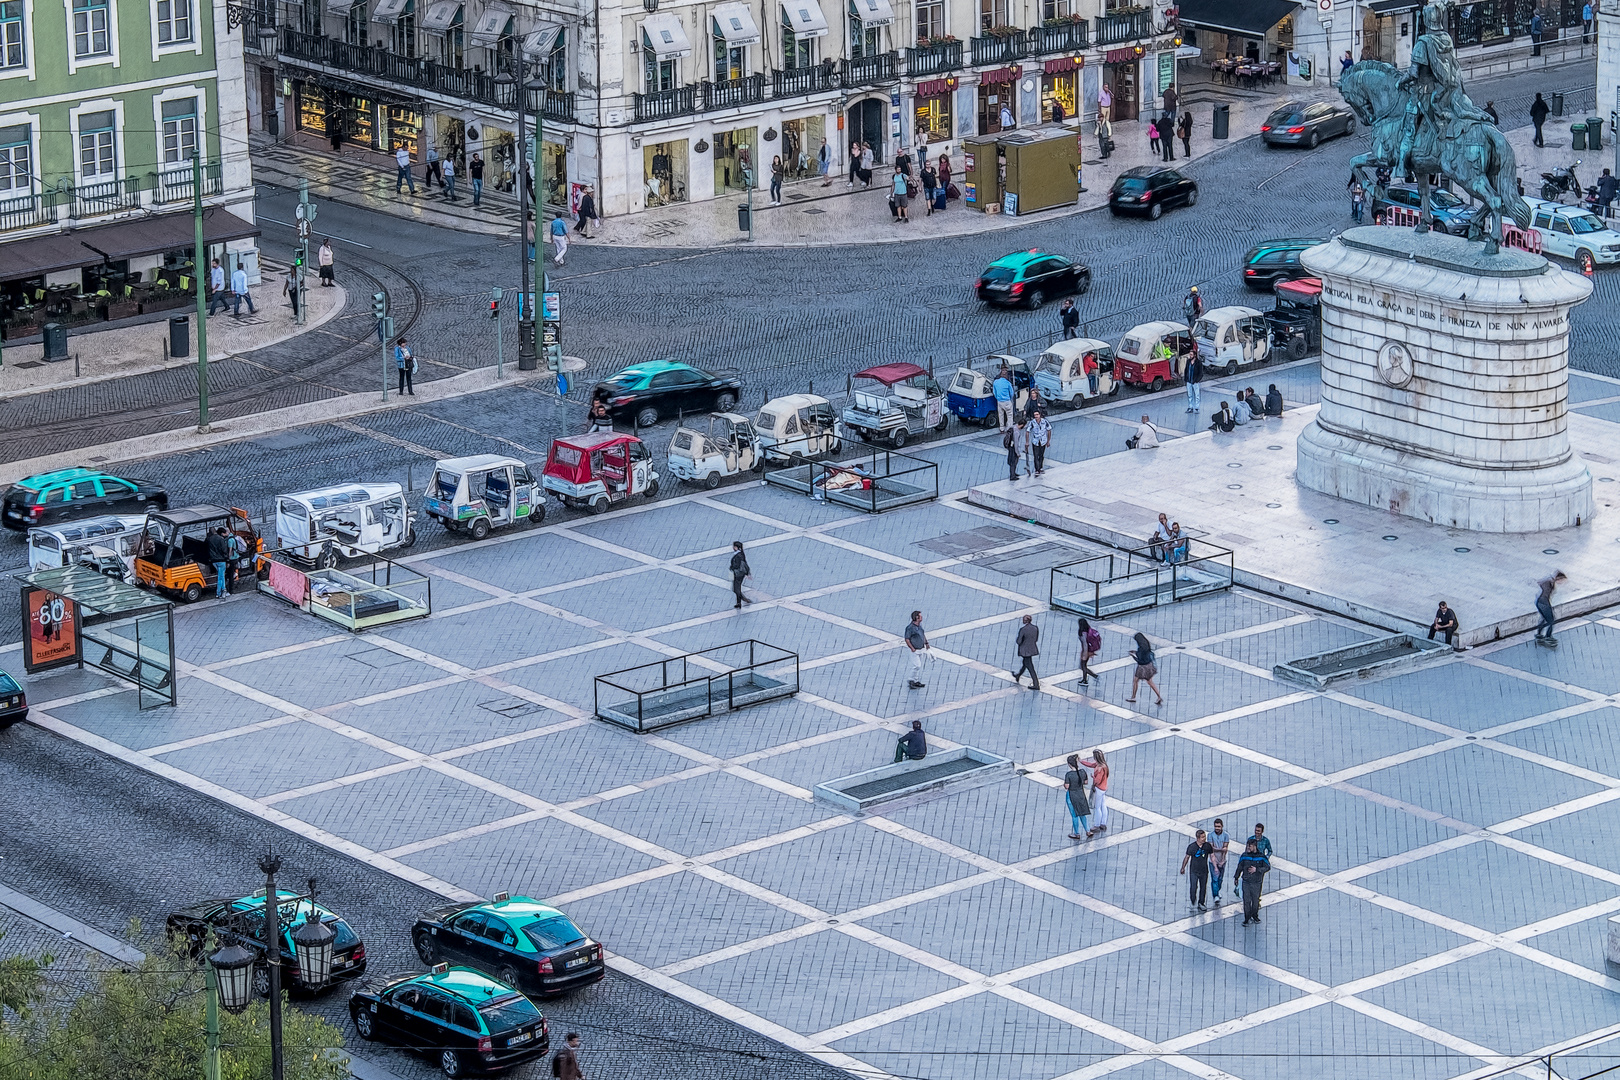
x: 520, y: 941
x: 461, y: 1019
x: 1031, y: 278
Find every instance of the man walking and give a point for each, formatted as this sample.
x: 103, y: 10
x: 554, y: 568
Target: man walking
x: 587, y: 212
x: 239, y: 292
x: 402, y: 158
x: 1252, y: 868
x: 565, y: 1065
x: 1490, y: 111
x: 1197, y: 856
x: 432, y: 172
x: 913, y: 745
x: 1259, y: 839
x: 1105, y: 104
x: 1607, y: 187
x: 219, y: 553
x: 917, y: 644
x: 900, y: 199
x: 824, y: 163
x: 1016, y: 440
x: 475, y: 169
x: 1192, y: 306
x: 405, y: 363
x: 1040, y: 436
x: 1167, y: 134
x: 1069, y: 320
x: 1586, y: 22
x: 1002, y: 388
x: 220, y: 298
x: 289, y: 289
x: 1219, y: 842
x: 1195, y: 381
x: 559, y: 239
x: 1538, y: 112
x: 739, y: 570
x: 450, y: 179
x: 1544, y: 631
x: 1028, y: 642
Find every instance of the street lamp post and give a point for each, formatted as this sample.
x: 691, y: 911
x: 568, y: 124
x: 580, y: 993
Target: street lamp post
x: 270, y: 864
x: 529, y: 201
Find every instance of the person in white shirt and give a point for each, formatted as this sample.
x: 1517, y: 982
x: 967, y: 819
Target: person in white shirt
x: 239, y: 286
x: 216, y: 283
x: 1146, y: 437
x: 402, y: 158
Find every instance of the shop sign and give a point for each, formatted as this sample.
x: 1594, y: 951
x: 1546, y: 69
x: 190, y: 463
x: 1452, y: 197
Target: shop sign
x: 1167, y: 70
x: 52, y: 639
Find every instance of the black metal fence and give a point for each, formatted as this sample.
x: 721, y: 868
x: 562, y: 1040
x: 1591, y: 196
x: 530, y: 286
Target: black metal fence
x: 696, y: 685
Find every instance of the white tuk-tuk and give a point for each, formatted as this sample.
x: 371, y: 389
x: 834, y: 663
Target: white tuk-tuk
x: 107, y: 543
x: 797, y: 427
x: 320, y: 527
x: 1061, y: 371
x: 1230, y: 338
x: 728, y: 446
x: 477, y: 494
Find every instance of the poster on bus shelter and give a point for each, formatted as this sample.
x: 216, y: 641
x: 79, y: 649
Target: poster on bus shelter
x: 52, y: 638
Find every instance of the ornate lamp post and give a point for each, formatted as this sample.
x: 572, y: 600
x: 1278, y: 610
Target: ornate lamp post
x: 529, y: 202
x: 312, y: 944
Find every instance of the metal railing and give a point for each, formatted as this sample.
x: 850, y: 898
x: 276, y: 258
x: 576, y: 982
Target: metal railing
x: 871, y: 70
x: 175, y: 185
x: 725, y: 93
x: 809, y: 80
x: 1123, y: 28
x: 1058, y: 38
x: 107, y: 197
x: 27, y: 212
x: 663, y: 104
x: 1000, y: 48
x: 883, y: 480
x: 696, y: 685
x: 934, y: 59
x: 1103, y: 586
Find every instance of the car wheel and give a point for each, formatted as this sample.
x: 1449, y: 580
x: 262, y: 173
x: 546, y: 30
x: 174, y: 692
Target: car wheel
x: 1085, y: 285
x: 537, y: 512
x: 835, y: 446
x: 795, y: 459
x: 328, y: 559
x: 193, y: 593
x: 725, y: 402
x: 759, y: 464
x: 1192, y: 197
x: 1113, y: 391
x: 1585, y: 260
x: 599, y: 504
x: 450, y: 1063
x: 652, y: 489
x: 363, y: 1024
x: 1310, y: 143
x: 899, y: 437
x: 1036, y: 299
x: 1350, y: 126
x: 508, y: 975
x: 1158, y: 384
x: 427, y: 947
x: 480, y: 528
x: 1231, y: 367
x: 261, y: 980
x: 410, y: 535
x: 943, y: 421
x: 647, y: 417
x: 1297, y: 348
x: 712, y: 481
x: 1156, y: 211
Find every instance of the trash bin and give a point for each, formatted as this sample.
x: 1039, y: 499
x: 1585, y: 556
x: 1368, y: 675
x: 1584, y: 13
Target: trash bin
x: 1223, y: 121
x: 55, y: 341
x: 1594, y: 133
x: 180, y: 335
x: 742, y: 217
x: 1577, y: 136
x: 1558, y: 103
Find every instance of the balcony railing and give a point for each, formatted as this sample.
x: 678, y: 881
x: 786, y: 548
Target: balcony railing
x: 1000, y: 48
x: 871, y: 70
x: 27, y: 212
x: 663, y: 104
x: 726, y: 93
x: 175, y: 185
x: 1123, y: 28
x: 107, y: 197
x: 934, y: 59
x: 1059, y: 38
x: 810, y: 80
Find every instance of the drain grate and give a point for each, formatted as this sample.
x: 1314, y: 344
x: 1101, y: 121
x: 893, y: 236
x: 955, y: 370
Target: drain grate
x: 815, y: 210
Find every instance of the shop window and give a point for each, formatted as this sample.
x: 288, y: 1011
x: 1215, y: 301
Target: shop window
x: 90, y: 34
x: 1056, y: 9
x: 354, y: 24
x: 665, y: 172
x: 801, y: 146
x: 311, y: 111
x: 934, y: 119
x: 730, y: 61
x: 96, y: 148
x: 16, y: 161
x: 993, y: 13
x: 179, y: 130
x: 404, y: 128
x: 930, y: 20
x: 660, y: 73
x: 863, y: 40
x: 556, y: 65
x: 13, y: 43
x: 797, y: 52
x: 1058, y: 89
x: 173, y: 21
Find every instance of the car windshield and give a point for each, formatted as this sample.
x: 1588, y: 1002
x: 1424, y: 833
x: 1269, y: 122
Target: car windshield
x: 506, y: 1013
x: 1130, y: 183
x: 1584, y: 223
x: 553, y: 933
x: 1000, y: 273
x: 1445, y: 200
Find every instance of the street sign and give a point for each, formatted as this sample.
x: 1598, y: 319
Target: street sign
x: 303, y: 230
x: 551, y: 329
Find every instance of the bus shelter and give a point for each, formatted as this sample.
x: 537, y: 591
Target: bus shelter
x: 77, y: 615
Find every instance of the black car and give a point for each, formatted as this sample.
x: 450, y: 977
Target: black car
x: 1030, y: 278
x: 1150, y: 190
x: 1452, y: 213
x: 242, y: 923
x: 645, y: 393
x: 13, y: 701
x: 1299, y: 123
x: 466, y: 1021
x: 1271, y: 261
x: 520, y: 941
x: 70, y: 494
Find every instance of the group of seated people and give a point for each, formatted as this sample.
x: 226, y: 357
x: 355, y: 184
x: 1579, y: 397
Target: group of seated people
x: 1249, y: 406
x: 1169, y: 545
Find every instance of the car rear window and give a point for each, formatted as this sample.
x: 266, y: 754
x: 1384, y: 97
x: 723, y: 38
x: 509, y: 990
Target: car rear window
x: 1204, y: 328
x: 8, y: 685
x: 506, y: 1013
x: 1130, y: 183
x: 346, y: 937
x: 445, y: 485
x: 554, y: 933
x: 1000, y: 273
x: 1283, y: 116
x: 1131, y: 346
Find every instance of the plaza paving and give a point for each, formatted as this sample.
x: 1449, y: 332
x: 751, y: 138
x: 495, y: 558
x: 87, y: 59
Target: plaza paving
x: 1444, y: 868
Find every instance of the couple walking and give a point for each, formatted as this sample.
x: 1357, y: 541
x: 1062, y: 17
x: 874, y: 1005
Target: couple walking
x: 1084, y: 806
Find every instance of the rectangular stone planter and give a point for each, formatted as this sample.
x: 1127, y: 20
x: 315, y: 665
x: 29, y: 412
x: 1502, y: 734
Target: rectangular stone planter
x: 1373, y: 659
x: 946, y: 770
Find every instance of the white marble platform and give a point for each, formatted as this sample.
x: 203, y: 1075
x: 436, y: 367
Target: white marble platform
x: 1386, y: 569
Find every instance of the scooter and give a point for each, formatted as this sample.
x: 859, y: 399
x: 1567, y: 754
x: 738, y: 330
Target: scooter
x: 1561, y: 180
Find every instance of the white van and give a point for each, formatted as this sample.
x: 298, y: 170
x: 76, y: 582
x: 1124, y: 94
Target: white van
x: 1574, y: 232
x: 108, y: 543
x: 318, y: 527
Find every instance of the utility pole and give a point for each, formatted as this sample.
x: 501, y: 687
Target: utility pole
x: 500, y: 345
x: 305, y: 213
x: 270, y: 864
x: 526, y: 179
x: 200, y: 278
x: 542, y: 279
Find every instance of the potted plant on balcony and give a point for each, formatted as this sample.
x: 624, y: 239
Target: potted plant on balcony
x: 1001, y: 30
x: 1064, y: 20
x: 938, y: 41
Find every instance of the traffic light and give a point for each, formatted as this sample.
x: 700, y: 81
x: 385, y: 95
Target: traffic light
x: 298, y: 258
x: 379, y: 305
x: 495, y: 302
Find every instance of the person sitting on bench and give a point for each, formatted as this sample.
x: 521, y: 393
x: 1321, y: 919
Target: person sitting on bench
x: 1445, y: 622
x: 913, y: 744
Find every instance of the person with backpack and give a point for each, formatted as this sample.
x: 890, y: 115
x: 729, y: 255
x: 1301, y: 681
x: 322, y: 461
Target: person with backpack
x: 1192, y: 307
x: 1090, y: 645
x: 565, y: 1064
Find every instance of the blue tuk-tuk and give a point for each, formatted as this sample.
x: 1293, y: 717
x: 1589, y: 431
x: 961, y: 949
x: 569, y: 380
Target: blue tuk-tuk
x: 972, y: 397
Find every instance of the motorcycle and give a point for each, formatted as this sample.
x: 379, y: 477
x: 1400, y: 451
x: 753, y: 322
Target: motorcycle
x: 1562, y: 180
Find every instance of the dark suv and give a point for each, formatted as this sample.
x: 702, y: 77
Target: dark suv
x: 1271, y: 261
x: 1151, y: 190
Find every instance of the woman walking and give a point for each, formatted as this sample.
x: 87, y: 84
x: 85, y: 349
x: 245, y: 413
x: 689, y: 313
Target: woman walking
x: 1090, y: 645
x: 739, y: 570
x: 776, y: 180
x: 1074, y: 796
x: 1099, y: 792
x: 1146, y: 669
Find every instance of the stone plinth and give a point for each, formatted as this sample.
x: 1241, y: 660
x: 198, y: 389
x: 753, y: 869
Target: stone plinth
x: 1444, y: 383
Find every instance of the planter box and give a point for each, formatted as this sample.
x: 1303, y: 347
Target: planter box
x: 946, y: 770
x: 122, y: 309
x: 166, y: 303
x: 1372, y: 659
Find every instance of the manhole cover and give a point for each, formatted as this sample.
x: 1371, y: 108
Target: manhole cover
x: 815, y: 210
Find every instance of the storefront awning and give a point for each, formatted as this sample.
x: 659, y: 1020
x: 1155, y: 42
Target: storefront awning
x: 441, y: 16
x: 804, y: 18
x: 389, y: 11
x: 663, y: 34
x: 872, y: 12
x: 1393, y: 7
x: 491, y: 26
x: 339, y: 7
x: 542, y: 39
x: 1062, y: 64
x: 735, y: 23
x: 1000, y: 75
x: 935, y: 87
x: 124, y: 240
x: 1251, y: 18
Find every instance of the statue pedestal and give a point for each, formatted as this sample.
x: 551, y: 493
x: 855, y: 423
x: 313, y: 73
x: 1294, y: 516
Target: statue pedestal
x: 1444, y: 383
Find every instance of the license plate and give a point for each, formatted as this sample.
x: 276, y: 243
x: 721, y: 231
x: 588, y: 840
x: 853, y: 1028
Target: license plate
x: 576, y: 962
x: 520, y: 1037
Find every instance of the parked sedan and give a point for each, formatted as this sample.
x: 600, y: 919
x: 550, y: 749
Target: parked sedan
x: 70, y: 494
x: 520, y: 941
x: 464, y: 1021
x: 242, y: 921
x: 1451, y: 212
x: 646, y: 393
x: 1298, y: 123
x: 1030, y: 278
x: 1150, y: 190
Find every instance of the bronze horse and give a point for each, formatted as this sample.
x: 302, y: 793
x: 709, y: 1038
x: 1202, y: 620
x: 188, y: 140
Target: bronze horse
x: 1473, y: 153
